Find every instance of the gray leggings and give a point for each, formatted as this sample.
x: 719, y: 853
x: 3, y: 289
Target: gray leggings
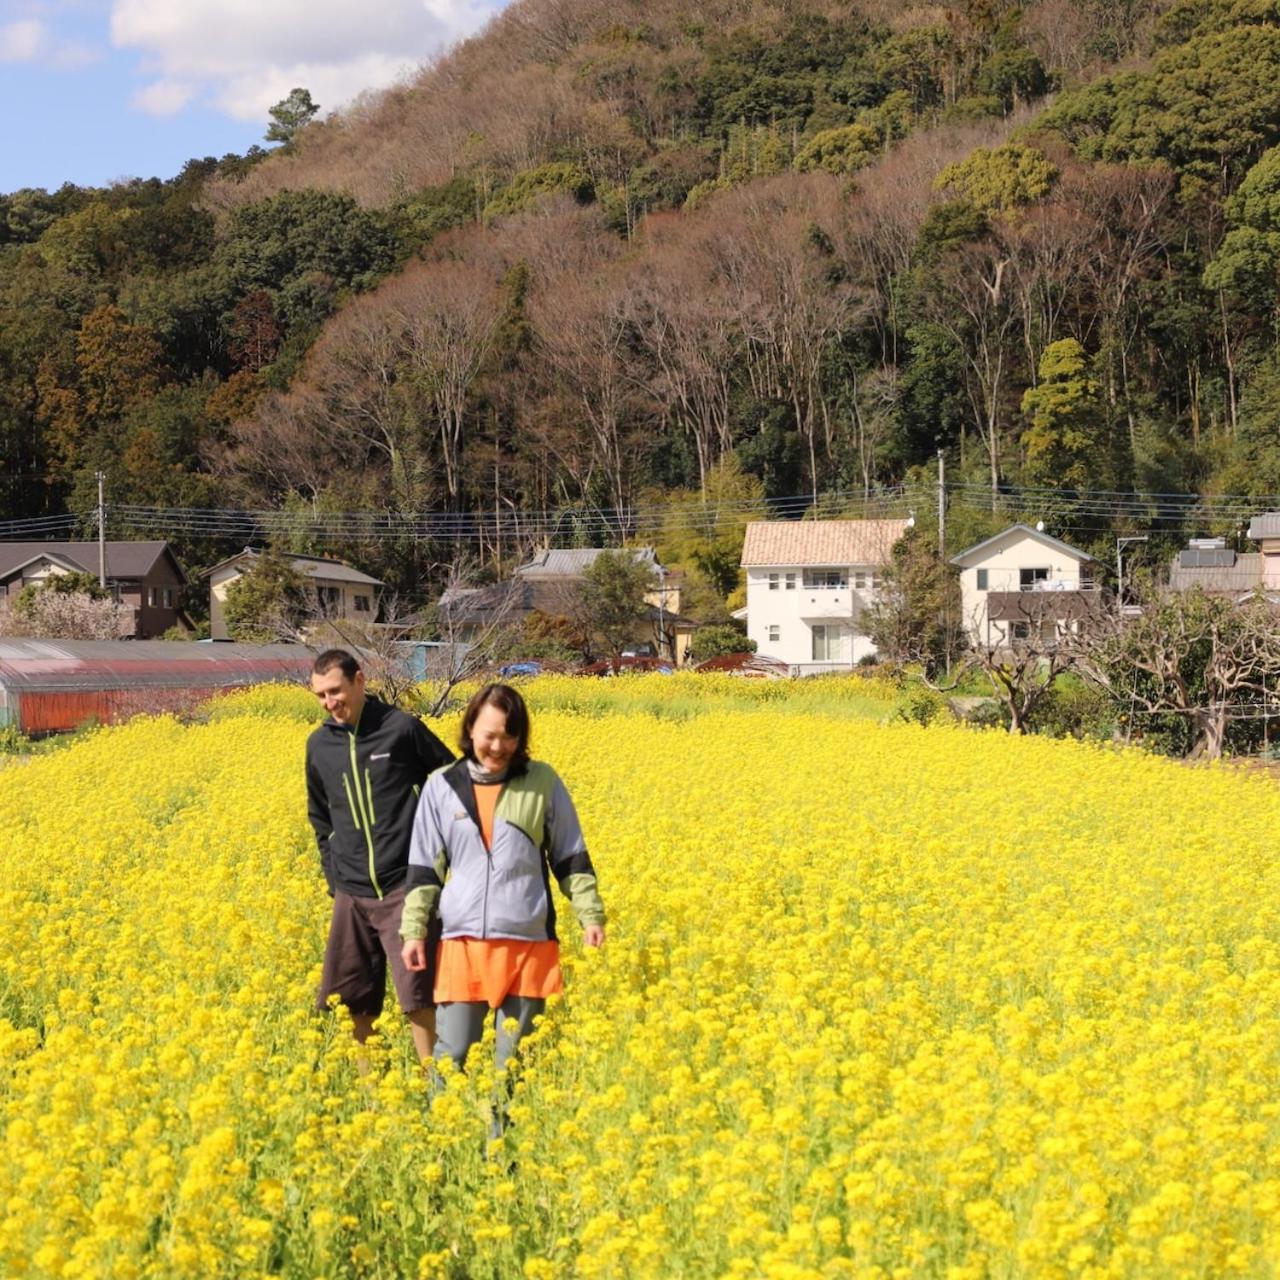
x: 460, y: 1024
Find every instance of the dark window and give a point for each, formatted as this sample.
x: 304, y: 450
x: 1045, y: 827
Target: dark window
x: 982, y: 579
x: 362, y: 604
x: 1027, y: 578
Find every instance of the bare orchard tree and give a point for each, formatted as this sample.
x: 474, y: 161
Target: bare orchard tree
x: 1190, y: 656
x: 1022, y: 656
x: 473, y: 625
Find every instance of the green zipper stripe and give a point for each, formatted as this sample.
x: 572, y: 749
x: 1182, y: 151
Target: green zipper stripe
x: 351, y: 804
x: 368, y: 790
x: 368, y: 826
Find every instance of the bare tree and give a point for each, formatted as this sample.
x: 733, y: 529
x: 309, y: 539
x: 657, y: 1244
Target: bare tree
x: 1189, y: 656
x: 473, y: 625
x: 450, y: 320
x: 970, y: 298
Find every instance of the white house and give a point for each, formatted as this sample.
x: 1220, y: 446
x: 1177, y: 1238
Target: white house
x: 808, y: 582
x: 1023, y: 584
x: 340, y: 590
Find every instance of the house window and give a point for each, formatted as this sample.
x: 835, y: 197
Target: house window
x: 153, y: 596
x: 330, y: 599
x: 860, y: 579
x: 982, y: 579
x: 773, y: 582
x: 362, y: 604
x: 825, y: 579
x: 791, y: 582
x: 167, y: 597
x: 828, y: 644
x: 1020, y: 630
x: 1027, y: 578
x: 775, y: 634
x: 876, y: 582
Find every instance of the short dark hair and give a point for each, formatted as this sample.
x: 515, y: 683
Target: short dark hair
x: 331, y: 658
x: 511, y: 704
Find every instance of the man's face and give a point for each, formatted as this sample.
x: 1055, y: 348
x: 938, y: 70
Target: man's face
x: 341, y: 697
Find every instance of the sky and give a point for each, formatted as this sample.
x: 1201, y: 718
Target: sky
x: 94, y: 91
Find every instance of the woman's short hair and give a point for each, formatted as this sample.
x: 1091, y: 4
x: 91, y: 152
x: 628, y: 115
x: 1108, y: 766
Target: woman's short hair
x: 512, y: 706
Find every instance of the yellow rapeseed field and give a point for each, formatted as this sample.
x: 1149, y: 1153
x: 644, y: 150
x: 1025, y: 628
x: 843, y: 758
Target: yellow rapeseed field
x: 876, y: 1001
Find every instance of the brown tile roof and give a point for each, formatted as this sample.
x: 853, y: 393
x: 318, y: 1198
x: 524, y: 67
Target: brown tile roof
x: 820, y: 542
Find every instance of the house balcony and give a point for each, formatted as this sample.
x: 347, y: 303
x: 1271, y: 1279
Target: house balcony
x: 820, y: 606
x: 1040, y: 606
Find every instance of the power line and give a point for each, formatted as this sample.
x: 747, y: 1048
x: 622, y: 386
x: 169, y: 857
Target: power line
x: 1078, y: 506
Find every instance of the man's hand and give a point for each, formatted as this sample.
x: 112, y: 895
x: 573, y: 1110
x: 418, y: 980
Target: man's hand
x: 593, y: 935
x: 414, y: 954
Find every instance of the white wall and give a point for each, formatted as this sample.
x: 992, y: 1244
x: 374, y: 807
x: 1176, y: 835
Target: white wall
x: 1003, y: 563
x: 795, y: 610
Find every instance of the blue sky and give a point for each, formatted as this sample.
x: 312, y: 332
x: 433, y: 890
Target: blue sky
x: 92, y: 91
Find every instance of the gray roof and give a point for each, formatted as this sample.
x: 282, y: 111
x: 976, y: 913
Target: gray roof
x: 1266, y: 525
x: 573, y: 562
x: 967, y: 556
x: 124, y: 559
x: 1223, y: 579
x: 312, y: 566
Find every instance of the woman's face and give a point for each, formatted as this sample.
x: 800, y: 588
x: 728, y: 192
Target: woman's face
x: 490, y: 741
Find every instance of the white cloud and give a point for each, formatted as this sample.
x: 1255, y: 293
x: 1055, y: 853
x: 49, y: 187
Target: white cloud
x: 23, y: 41
x: 245, y: 55
x: 163, y: 98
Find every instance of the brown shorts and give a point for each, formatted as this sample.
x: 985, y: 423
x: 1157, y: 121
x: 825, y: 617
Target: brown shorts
x: 364, y: 937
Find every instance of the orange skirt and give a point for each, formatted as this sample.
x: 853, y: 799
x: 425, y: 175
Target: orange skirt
x: 491, y: 969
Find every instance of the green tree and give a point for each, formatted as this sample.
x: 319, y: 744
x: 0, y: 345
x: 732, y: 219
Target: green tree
x: 1247, y: 263
x: 289, y: 115
x: 612, y: 600
x: 996, y: 180
x: 1063, y: 446
x: 721, y: 638
x: 917, y: 616
x: 843, y: 150
x: 269, y: 602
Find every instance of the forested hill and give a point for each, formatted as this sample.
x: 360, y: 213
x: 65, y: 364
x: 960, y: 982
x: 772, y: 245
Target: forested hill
x: 606, y: 254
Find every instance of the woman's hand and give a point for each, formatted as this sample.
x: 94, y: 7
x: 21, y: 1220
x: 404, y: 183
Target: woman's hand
x: 593, y: 935
x: 414, y: 954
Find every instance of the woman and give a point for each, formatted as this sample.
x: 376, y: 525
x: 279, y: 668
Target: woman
x: 489, y: 832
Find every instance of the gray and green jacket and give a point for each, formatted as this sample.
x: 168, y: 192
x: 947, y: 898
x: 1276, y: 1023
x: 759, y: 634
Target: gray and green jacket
x: 503, y: 892
x: 362, y: 790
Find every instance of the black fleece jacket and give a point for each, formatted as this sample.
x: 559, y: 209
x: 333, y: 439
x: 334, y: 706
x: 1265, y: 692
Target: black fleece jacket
x: 362, y: 792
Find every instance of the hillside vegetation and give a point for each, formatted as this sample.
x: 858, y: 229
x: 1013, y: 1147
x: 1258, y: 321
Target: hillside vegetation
x: 603, y: 255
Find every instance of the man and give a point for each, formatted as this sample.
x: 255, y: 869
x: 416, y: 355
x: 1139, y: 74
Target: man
x: 365, y: 767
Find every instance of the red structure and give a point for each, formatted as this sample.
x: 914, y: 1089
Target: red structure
x: 48, y: 686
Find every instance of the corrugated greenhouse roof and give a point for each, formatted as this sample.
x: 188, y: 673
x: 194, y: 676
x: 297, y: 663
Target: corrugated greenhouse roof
x: 122, y: 664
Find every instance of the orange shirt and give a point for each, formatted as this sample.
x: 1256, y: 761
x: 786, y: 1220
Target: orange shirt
x: 490, y: 969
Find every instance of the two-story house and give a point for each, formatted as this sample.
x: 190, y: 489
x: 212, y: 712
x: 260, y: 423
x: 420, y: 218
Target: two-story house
x: 339, y: 591
x: 145, y: 576
x: 1023, y: 584
x: 808, y: 584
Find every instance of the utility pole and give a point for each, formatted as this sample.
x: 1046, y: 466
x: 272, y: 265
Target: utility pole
x: 942, y: 507
x: 102, y: 531
x: 662, y: 612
